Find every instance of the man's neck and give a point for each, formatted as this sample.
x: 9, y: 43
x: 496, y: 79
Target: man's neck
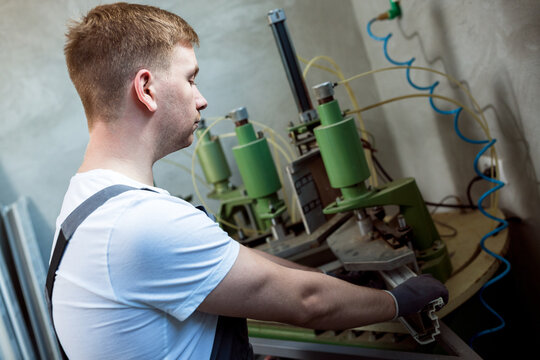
x: 122, y: 167
x: 113, y: 149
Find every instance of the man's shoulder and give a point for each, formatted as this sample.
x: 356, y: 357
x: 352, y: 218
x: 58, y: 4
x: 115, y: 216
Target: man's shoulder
x: 144, y: 200
x: 147, y: 213
x: 82, y: 186
x: 159, y: 227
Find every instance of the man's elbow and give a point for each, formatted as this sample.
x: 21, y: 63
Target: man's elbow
x: 312, y: 311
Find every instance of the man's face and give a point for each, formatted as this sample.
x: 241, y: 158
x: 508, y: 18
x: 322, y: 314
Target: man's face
x: 179, y: 101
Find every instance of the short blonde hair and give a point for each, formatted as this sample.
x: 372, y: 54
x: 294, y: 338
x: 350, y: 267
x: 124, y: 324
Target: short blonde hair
x: 106, y: 48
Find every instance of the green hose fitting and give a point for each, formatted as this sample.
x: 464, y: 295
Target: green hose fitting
x: 395, y: 10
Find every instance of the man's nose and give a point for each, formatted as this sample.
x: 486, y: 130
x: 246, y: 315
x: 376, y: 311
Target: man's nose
x: 200, y: 101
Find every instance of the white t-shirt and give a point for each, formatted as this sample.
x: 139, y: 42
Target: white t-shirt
x: 134, y: 273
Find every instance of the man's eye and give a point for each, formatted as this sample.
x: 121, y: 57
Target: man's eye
x: 192, y: 82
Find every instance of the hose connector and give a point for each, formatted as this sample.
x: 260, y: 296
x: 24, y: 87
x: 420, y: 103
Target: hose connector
x: 324, y: 92
x: 275, y: 16
x: 239, y: 116
x: 394, y: 12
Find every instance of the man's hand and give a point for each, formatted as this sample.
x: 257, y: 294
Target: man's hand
x: 416, y: 292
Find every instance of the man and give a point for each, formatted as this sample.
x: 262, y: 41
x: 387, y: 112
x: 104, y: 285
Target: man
x: 147, y: 275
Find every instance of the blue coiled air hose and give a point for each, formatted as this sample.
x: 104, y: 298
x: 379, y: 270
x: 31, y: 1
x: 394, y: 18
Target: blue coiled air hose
x: 499, y: 184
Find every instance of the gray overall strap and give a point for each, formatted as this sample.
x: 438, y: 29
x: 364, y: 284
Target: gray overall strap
x: 231, y: 341
x: 72, y: 222
x: 67, y: 229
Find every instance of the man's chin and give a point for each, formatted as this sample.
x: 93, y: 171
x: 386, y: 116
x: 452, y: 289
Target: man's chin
x: 188, y: 142
x: 183, y: 145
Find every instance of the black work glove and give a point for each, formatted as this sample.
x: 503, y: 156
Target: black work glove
x: 416, y: 292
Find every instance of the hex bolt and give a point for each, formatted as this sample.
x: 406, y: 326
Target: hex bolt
x: 401, y: 222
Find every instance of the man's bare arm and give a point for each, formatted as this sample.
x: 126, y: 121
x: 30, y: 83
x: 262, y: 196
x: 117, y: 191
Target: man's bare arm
x: 258, y: 288
x: 284, y: 262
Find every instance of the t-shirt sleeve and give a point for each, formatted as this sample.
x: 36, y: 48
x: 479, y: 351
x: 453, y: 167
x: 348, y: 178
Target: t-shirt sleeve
x: 166, y: 254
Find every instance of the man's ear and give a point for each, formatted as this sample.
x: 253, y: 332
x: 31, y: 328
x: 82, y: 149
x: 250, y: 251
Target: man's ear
x: 144, y: 88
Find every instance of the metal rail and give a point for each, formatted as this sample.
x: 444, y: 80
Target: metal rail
x: 456, y: 348
x: 31, y: 274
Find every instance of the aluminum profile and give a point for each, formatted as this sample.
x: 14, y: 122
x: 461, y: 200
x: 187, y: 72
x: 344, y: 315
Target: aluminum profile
x: 14, y: 340
x: 31, y: 274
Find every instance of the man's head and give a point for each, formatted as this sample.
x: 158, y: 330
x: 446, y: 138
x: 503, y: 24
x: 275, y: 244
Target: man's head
x: 106, y: 49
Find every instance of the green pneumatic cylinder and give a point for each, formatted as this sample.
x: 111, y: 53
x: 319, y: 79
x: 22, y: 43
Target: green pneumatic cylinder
x: 212, y: 159
x: 257, y: 169
x: 255, y: 163
x: 341, y: 149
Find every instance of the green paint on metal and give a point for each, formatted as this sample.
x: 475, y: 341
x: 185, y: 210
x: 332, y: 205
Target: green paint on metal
x: 245, y: 134
x: 267, y: 208
x: 341, y: 149
x: 303, y: 127
x: 346, y: 338
x: 257, y: 168
x: 355, y: 191
x: 259, y: 174
x: 212, y: 159
x: 329, y: 113
x: 347, y: 169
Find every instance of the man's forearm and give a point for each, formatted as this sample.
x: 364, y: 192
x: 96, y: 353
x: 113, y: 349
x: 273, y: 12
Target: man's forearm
x: 284, y: 262
x: 336, y: 304
x: 339, y: 300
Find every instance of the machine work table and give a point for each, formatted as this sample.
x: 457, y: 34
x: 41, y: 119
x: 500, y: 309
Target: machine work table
x: 472, y: 266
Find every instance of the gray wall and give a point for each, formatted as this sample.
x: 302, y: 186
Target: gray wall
x: 493, y: 46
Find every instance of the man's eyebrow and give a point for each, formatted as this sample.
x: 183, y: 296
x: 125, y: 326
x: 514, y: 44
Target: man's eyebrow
x: 195, y: 71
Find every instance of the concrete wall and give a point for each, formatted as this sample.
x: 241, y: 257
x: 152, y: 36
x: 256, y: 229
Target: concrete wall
x: 492, y: 46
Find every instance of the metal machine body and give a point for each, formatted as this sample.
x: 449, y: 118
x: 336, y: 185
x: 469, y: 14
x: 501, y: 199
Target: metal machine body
x: 346, y: 166
x: 258, y: 199
x: 306, y: 173
x: 301, y: 134
x: 258, y: 172
x: 232, y: 199
x: 339, y: 212
x: 313, y: 191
